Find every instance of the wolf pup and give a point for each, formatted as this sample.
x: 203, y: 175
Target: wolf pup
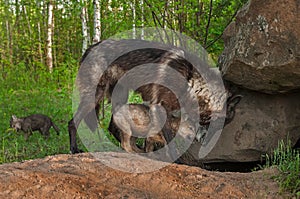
x: 146, y: 121
x: 141, y: 120
x: 35, y: 122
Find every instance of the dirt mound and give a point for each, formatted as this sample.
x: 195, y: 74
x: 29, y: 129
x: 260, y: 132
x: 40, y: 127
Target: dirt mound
x: 84, y: 176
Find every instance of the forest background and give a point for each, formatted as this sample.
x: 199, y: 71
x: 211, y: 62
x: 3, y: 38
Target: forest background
x: 42, y: 43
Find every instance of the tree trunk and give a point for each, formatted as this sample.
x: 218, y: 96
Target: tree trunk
x: 166, y: 15
x: 39, y: 33
x: 198, y: 20
x: 134, y: 19
x: 84, y: 28
x: 9, y: 41
x: 40, y: 42
x: 180, y: 10
x: 208, y: 23
x: 97, y: 21
x: 49, y: 37
x: 142, y: 19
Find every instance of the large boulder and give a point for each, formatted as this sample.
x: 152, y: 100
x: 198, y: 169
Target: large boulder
x: 262, y: 47
x: 260, y: 122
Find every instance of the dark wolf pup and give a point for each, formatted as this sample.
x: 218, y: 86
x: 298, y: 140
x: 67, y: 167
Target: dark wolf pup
x: 35, y: 122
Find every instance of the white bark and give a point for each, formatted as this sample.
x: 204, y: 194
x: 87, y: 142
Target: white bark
x: 85, y: 40
x: 9, y: 41
x: 97, y: 21
x: 49, y: 37
x: 134, y: 20
x: 142, y: 19
x: 40, y: 42
x: 166, y: 16
x: 7, y: 34
x: 27, y: 20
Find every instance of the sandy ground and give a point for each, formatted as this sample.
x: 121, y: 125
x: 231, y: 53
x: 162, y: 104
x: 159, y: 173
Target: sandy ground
x: 84, y: 176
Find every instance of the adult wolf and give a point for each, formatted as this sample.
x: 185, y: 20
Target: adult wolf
x: 104, y: 64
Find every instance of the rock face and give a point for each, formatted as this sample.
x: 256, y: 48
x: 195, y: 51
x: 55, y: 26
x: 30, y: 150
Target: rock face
x: 261, y: 120
x: 261, y: 54
x: 262, y: 47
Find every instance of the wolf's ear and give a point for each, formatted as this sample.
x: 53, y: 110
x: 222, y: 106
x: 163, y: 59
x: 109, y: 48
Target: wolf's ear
x: 234, y: 100
x: 231, y: 104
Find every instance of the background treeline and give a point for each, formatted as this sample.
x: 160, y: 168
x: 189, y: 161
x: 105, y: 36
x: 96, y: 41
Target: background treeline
x: 48, y: 34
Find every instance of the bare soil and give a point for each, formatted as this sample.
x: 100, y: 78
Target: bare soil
x: 84, y: 176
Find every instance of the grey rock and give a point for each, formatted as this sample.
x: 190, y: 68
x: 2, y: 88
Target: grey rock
x: 260, y: 122
x: 262, y: 47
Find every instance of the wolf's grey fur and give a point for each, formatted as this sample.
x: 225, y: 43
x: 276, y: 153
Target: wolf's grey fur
x: 35, y: 122
x: 101, y: 68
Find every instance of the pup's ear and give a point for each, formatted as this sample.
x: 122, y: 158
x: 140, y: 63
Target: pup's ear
x: 13, y: 117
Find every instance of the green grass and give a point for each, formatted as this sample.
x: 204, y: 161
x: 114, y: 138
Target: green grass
x: 24, y: 92
x: 287, y: 160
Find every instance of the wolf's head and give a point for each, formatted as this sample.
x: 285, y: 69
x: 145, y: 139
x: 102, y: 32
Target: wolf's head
x: 15, y: 123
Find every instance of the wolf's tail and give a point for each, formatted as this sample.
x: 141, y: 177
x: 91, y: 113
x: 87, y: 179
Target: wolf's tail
x: 55, y: 128
x: 91, y: 119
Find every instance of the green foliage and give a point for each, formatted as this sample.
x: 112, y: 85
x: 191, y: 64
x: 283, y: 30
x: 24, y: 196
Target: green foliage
x: 134, y: 98
x: 23, y: 25
x: 287, y: 160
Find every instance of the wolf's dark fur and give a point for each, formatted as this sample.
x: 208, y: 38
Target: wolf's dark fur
x: 101, y: 68
x: 35, y: 122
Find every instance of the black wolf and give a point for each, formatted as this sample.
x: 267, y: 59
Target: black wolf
x: 102, y: 67
x: 35, y: 122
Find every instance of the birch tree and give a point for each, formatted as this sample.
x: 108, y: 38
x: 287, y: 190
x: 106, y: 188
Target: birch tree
x: 142, y: 19
x: 29, y: 40
x: 134, y: 19
x: 9, y: 40
x: 39, y: 32
x: 50, y: 27
x: 97, y: 21
x: 85, y: 32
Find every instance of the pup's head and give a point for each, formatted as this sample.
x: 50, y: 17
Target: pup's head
x: 15, y: 123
